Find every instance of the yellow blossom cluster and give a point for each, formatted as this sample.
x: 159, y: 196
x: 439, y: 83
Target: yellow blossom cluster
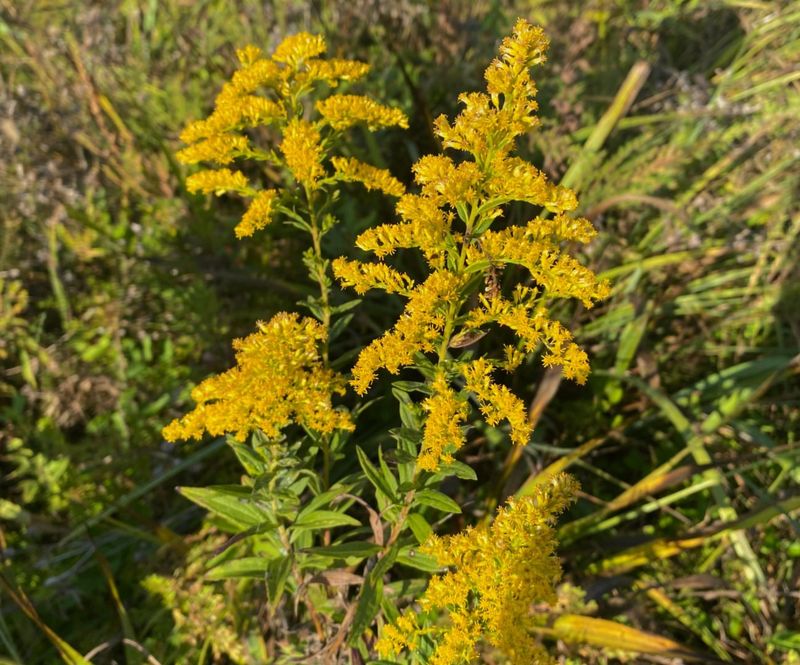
x: 343, y: 111
x: 443, y: 432
x: 350, y: 169
x: 419, y: 328
x: 365, y: 276
x: 457, y: 222
x: 495, y: 575
x: 258, y: 213
x: 302, y: 149
x: 497, y: 403
x: 279, y: 379
x: 270, y: 91
x: 217, y: 182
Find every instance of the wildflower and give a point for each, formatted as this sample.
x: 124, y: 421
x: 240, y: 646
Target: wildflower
x: 497, y: 573
x: 303, y: 152
x: 268, y: 91
x: 217, y: 182
x: 220, y: 148
x: 424, y: 226
x: 442, y: 434
x: 418, y: 328
x: 365, y: 276
x: 258, y: 214
x: 279, y: 379
x: 353, y: 170
x: 497, y: 403
x: 450, y: 221
x: 296, y: 48
x: 343, y: 111
x: 334, y: 70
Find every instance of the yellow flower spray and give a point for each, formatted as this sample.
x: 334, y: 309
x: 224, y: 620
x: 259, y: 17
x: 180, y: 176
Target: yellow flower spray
x: 482, y: 273
x: 453, y: 221
x: 496, y: 574
x: 282, y: 373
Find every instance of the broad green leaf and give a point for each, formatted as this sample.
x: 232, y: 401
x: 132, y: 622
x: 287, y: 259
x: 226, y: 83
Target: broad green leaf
x: 325, y: 519
x: 419, y: 527
x: 413, y: 558
x: 248, y: 458
x: 369, y: 601
x: 435, y: 499
x: 373, y: 475
x: 231, y: 502
x: 250, y: 566
x: 277, y: 573
x: 457, y: 469
x: 352, y: 550
x: 391, y: 481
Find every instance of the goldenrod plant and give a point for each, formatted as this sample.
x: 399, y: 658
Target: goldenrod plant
x: 313, y: 516
x: 395, y: 482
x: 314, y: 513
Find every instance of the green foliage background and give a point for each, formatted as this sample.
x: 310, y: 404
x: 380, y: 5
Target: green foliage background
x: 678, y: 123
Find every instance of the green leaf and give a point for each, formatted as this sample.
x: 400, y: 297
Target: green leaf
x: 391, y: 481
x: 324, y: 519
x: 277, y: 573
x: 413, y: 558
x: 419, y: 527
x: 412, y: 386
x: 786, y: 639
x: 436, y: 499
x: 369, y: 601
x: 352, y: 550
x: 248, y: 458
x: 385, y: 563
x: 247, y: 567
x: 346, y: 306
x: 339, y: 326
x: 233, y: 503
x: 373, y: 475
x: 458, y: 469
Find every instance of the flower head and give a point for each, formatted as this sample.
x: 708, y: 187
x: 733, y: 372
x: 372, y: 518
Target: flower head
x: 270, y: 91
x: 279, y: 379
x: 456, y: 221
x: 496, y: 574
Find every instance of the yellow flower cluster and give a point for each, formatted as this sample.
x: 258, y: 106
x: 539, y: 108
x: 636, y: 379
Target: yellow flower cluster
x: 301, y: 146
x: 259, y: 213
x: 350, y: 169
x: 217, y: 182
x: 269, y: 91
x: 496, y: 574
x: 450, y: 221
x: 497, y: 403
x: 365, y: 276
x: 279, y: 379
x: 420, y: 326
x: 343, y: 111
x: 443, y: 432
x: 424, y: 226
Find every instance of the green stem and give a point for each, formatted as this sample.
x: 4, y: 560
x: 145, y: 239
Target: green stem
x: 320, y: 277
